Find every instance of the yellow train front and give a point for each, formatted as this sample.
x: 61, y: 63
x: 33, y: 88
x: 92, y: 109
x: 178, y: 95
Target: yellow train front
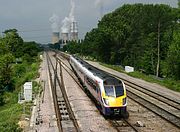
x: 114, y: 99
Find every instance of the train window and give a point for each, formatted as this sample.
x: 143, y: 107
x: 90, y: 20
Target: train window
x: 119, y: 90
x: 91, y: 83
x: 109, y: 90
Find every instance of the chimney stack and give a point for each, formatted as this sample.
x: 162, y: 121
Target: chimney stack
x: 74, y: 31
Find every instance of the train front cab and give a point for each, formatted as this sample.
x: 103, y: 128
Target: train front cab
x: 114, y: 99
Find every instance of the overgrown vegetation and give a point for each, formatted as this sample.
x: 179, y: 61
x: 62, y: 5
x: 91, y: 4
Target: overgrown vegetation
x: 146, y: 37
x: 18, y: 63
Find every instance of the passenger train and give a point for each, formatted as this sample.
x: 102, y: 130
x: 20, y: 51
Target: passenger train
x: 108, y: 91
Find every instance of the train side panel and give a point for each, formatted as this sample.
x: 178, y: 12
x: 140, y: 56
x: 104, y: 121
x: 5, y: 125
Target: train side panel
x: 87, y: 78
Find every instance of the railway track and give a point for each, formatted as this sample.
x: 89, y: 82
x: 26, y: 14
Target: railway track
x: 171, y: 113
x: 171, y: 102
x: 65, y: 117
x: 171, y: 118
x: 167, y: 108
x: 155, y: 102
x: 57, y: 111
x: 123, y: 123
x: 116, y: 123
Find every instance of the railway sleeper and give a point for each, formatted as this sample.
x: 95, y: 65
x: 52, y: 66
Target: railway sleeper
x: 62, y: 107
x: 61, y: 102
x: 65, y: 117
x: 64, y: 112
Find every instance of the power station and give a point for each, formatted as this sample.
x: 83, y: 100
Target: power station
x: 74, y: 31
x: 70, y: 34
x: 55, y: 37
x: 69, y: 29
x: 65, y: 37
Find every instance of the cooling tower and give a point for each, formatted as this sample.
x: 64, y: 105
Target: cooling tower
x: 55, y: 37
x: 65, y: 37
x: 74, y: 31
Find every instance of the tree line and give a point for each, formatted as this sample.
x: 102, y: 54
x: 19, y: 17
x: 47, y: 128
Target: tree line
x: 146, y: 37
x: 13, y: 52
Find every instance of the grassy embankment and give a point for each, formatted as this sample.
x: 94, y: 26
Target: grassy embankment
x: 169, y: 83
x: 11, y: 111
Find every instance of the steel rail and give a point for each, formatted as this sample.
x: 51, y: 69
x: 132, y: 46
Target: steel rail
x: 134, y: 128
x: 68, y: 70
x: 162, y: 98
x: 65, y: 96
x: 173, y: 101
x: 171, y: 118
x: 74, y: 77
x: 56, y: 107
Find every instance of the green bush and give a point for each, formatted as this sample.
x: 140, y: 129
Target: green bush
x: 10, y: 114
x: 10, y: 127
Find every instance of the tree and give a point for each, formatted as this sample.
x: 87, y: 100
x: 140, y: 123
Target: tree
x: 164, y: 19
x: 6, y: 69
x: 172, y: 64
x: 137, y: 35
x: 5, y: 74
x: 10, y: 44
x: 13, y: 42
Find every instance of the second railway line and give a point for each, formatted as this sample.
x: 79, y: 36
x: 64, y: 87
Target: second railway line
x: 114, y: 122
x: 173, y: 104
x: 85, y: 111
x: 64, y: 113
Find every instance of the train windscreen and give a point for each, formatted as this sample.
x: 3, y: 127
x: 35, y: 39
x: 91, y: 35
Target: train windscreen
x: 119, y: 91
x: 114, y: 91
x: 109, y: 90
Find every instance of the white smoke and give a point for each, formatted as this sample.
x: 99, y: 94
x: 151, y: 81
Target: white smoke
x: 68, y: 20
x: 66, y: 25
x: 55, y: 23
x: 71, y: 14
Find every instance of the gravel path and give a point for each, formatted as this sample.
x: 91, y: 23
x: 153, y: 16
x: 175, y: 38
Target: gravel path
x: 45, y: 106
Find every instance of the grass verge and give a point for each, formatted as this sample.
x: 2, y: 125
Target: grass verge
x: 11, y: 112
x: 169, y: 83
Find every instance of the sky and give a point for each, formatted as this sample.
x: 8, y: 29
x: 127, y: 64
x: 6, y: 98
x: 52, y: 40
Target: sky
x: 32, y: 17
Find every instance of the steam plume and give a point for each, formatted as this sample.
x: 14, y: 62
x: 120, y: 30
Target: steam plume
x: 68, y: 20
x: 71, y: 14
x: 55, y: 23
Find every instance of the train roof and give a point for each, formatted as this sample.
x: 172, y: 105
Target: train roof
x: 97, y: 72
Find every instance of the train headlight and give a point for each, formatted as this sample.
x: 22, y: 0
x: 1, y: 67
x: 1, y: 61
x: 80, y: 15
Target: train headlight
x: 106, y: 101
x: 124, y: 101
